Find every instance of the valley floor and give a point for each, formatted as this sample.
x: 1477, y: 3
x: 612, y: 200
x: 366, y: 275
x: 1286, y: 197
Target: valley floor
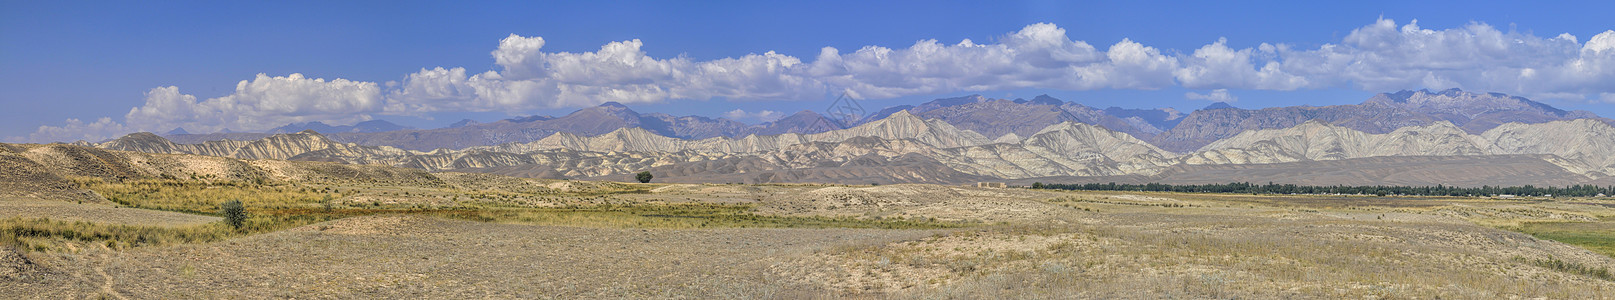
x: 956, y: 243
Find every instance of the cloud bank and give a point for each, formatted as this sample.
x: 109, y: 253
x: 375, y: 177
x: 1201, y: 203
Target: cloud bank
x: 1383, y: 56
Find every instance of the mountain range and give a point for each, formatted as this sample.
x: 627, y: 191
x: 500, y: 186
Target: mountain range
x: 975, y: 138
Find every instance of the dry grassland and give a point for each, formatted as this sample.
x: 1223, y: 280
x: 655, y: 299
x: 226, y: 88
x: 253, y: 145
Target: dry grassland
x: 481, y: 236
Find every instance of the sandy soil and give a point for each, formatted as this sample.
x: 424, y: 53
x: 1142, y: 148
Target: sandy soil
x: 412, y: 257
x: 1026, y: 244
x: 94, y: 212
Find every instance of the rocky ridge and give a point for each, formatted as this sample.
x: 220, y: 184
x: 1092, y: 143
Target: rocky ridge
x: 1383, y: 113
x: 1583, y: 146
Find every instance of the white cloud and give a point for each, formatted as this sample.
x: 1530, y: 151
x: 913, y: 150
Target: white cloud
x: 76, y: 130
x: 1038, y: 56
x: 1217, y: 65
x: 261, y: 103
x: 1217, y: 95
x: 1382, y: 56
x: 764, y: 116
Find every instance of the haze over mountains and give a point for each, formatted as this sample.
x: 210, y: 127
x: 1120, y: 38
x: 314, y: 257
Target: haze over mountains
x: 975, y: 138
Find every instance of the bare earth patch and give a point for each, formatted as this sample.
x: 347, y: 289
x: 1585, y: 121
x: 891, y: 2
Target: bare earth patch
x: 95, y: 212
x: 1023, y: 244
x: 417, y: 257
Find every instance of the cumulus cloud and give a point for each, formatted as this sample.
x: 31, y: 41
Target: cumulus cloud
x: 1217, y: 65
x: 76, y: 130
x: 257, y: 104
x: 1038, y: 56
x: 262, y: 103
x: 1382, y: 56
x: 764, y: 116
x: 1217, y: 95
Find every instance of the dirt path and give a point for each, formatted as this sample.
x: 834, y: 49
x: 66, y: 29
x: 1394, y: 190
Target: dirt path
x: 106, y: 280
x: 99, y: 213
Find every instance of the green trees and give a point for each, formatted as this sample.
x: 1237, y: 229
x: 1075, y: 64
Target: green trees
x: 234, y: 213
x: 643, y: 177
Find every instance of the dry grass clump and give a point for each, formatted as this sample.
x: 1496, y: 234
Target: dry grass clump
x: 40, y: 234
x: 1570, y: 267
x: 275, y: 206
x: 495, y: 183
x: 204, y: 197
x: 43, y: 234
x: 1237, y: 257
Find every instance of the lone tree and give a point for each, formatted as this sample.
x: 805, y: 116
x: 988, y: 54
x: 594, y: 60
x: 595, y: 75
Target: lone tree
x: 643, y: 177
x: 234, y: 213
x: 329, y: 204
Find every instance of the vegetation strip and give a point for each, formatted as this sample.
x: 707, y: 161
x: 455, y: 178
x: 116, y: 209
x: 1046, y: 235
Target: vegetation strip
x: 250, y: 208
x: 1378, y: 190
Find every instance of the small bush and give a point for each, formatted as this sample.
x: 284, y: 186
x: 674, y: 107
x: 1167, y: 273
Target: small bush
x: 234, y: 213
x: 643, y: 177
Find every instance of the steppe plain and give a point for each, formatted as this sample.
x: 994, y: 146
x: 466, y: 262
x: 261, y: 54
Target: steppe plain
x: 412, y: 234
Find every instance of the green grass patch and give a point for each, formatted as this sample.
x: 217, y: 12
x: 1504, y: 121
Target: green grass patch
x: 1596, y: 236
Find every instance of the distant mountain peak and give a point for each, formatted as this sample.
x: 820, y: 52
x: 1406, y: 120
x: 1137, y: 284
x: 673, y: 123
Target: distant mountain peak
x: 177, y: 131
x: 1218, y: 105
x: 956, y: 101
x: 804, y: 113
x: 463, y: 123
x: 901, y: 114
x: 613, y: 108
x: 1460, y: 102
x: 1046, y: 99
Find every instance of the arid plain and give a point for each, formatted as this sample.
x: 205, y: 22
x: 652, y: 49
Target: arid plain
x: 91, y: 223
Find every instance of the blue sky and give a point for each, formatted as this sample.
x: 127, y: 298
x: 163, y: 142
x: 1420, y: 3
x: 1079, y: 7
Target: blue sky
x: 156, y: 66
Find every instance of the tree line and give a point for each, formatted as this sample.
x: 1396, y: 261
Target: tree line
x: 1378, y: 190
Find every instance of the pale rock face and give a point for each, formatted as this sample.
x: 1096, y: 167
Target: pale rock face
x: 1583, y: 146
x: 1008, y: 138
x: 279, y: 146
x: 900, y: 125
x: 1473, y: 112
x: 1588, y: 146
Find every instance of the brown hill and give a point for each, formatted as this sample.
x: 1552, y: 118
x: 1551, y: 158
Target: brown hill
x: 24, y: 178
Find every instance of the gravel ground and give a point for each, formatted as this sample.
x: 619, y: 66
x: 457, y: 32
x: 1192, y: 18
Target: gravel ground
x: 416, y: 257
